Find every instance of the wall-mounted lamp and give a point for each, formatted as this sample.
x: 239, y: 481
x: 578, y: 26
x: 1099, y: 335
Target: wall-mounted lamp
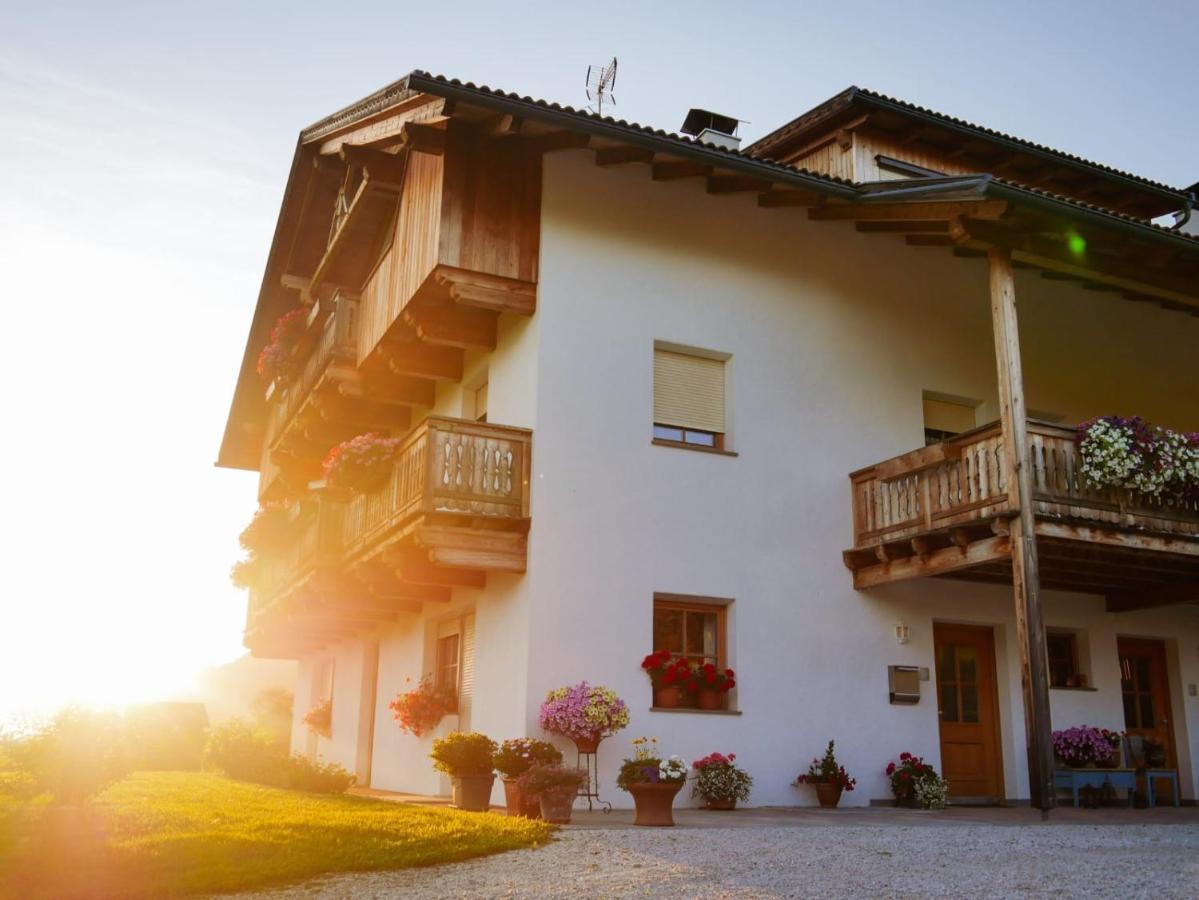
x: 903, y: 634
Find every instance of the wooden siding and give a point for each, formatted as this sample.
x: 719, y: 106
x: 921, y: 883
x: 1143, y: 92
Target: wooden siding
x: 869, y: 144
x: 828, y: 159
x: 412, y: 254
x: 490, y: 207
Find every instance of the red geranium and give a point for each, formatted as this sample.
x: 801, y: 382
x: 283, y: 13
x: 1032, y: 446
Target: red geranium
x: 664, y: 669
x: 418, y: 711
x: 278, y: 360
x: 360, y: 464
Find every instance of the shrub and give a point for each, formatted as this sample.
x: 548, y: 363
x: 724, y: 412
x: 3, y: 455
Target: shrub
x: 246, y: 753
x: 515, y: 757
x: 272, y: 710
x: 418, y: 711
x: 165, y: 736
x: 73, y: 757
x: 319, y: 719
x: 463, y: 753
x: 720, y: 780
x: 551, y: 779
x: 827, y: 770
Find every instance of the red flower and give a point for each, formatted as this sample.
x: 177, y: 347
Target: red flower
x: 710, y: 677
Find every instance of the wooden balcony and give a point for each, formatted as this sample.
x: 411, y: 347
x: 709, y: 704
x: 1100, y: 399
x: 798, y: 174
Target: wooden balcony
x: 454, y: 506
x: 943, y: 510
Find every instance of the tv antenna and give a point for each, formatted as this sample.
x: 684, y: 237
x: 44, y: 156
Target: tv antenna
x: 600, y: 82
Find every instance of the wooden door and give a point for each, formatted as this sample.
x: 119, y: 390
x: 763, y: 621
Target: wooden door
x: 1146, y: 692
x: 968, y: 710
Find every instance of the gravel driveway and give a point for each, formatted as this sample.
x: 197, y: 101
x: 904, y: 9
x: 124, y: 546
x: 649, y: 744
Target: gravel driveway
x: 845, y: 861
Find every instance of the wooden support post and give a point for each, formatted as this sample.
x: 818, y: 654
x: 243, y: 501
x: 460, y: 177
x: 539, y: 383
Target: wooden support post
x: 1026, y: 581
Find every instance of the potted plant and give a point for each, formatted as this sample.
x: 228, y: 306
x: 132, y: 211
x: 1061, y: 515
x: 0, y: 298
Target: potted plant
x: 361, y: 464
x: 668, y: 674
x: 828, y: 777
x: 513, y: 759
x: 418, y: 711
x: 653, y: 782
x: 466, y: 758
x: 932, y: 792
x: 1115, y: 740
x: 713, y: 686
x: 584, y: 713
x: 319, y: 719
x: 905, y: 775
x: 1081, y: 746
x: 269, y: 529
x: 554, y: 787
x: 278, y: 361
x: 720, y: 782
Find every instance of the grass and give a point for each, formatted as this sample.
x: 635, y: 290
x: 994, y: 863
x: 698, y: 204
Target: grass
x: 161, y: 834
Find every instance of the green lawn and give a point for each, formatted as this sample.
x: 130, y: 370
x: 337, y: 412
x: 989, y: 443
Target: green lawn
x: 172, y: 833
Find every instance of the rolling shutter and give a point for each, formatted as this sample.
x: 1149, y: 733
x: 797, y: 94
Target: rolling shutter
x: 466, y: 681
x: 688, y: 391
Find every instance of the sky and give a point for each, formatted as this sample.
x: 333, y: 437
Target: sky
x: 143, y: 153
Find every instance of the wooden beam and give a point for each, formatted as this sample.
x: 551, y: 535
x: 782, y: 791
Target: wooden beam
x: 1129, y: 601
x: 413, y: 566
x: 425, y: 138
x: 414, y: 357
x: 385, y: 167
x: 615, y: 156
x: 901, y: 226
x: 670, y: 171
x: 453, y: 326
x: 938, y: 562
x: 554, y: 141
x: 484, y: 291
x: 1026, y: 582
x: 1126, y: 539
x: 912, y: 211
x: 729, y: 184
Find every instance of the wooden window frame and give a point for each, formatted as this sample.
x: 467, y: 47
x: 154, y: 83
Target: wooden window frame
x: 439, y: 666
x: 706, y: 606
x: 1073, y: 660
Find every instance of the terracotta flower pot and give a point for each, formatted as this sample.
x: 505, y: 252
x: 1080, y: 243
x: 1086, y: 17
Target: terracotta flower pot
x: 517, y: 803
x: 710, y: 698
x: 556, y: 806
x: 472, y: 792
x: 669, y: 697
x: 828, y: 794
x: 654, y: 802
x: 588, y: 744
x: 721, y: 804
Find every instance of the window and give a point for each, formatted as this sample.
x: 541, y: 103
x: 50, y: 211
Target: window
x: 692, y: 629
x: 944, y: 418
x: 481, y: 404
x: 448, y: 661
x: 689, y: 398
x: 1063, y: 659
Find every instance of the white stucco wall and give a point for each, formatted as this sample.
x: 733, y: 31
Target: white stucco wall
x: 833, y: 337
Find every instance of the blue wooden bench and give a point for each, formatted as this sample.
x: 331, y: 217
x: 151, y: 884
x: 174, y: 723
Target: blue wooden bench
x: 1074, y: 779
x: 1134, y: 751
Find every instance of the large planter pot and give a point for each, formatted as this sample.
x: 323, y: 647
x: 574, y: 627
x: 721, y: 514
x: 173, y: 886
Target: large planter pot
x: 588, y: 744
x: 829, y: 795
x: 556, y: 806
x: 721, y: 804
x: 472, y: 792
x: 517, y: 803
x: 654, y: 802
x: 710, y: 699
x: 1110, y: 763
x: 668, y: 697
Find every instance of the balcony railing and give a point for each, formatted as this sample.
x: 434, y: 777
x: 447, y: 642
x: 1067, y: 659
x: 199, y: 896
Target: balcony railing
x: 473, y: 470
x: 315, y: 540
x: 336, y: 343
x: 962, y: 480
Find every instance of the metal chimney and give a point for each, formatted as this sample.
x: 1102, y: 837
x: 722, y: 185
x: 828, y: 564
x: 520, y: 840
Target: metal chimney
x: 712, y: 128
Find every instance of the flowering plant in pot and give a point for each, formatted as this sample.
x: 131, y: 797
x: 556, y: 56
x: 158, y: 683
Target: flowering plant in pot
x: 418, y: 711
x: 319, y: 719
x: 719, y: 781
x: 512, y: 760
x: 1133, y: 454
x: 932, y: 792
x: 1081, y: 746
x: 1115, y: 740
x: 653, y: 782
x: 712, y: 685
x: 269, y: 529
x: 669, y: 675
x: 905, y: 775
x: 467, y: 758
x: 361, y: 464
x: 828, y: 777
x: 278, y: 360
x: 584, y: 713
x: 554, y: 788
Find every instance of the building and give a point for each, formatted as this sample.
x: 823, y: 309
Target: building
x: 769, y: 404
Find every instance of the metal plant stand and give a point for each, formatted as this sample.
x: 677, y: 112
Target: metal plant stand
x: 588, y: 761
